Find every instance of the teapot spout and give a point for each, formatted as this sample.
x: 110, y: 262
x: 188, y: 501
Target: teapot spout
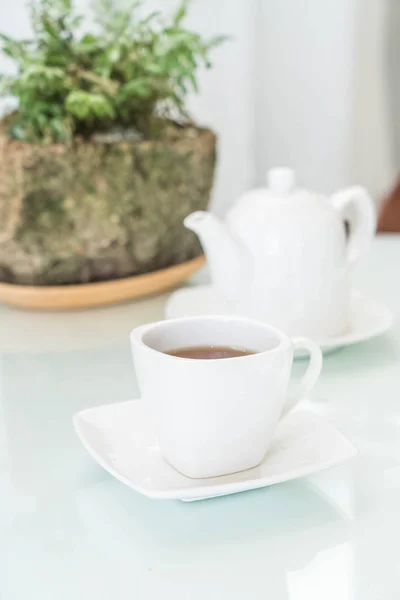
x: 227, y: 258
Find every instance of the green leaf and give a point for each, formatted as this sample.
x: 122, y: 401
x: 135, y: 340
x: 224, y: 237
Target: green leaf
x: 59, y: 130
x: 140, y: 87
x: 113, y: 55
x: 145, y: 22
x: 13, y: 48
x: 84, y: 105
x: 154, y: 68
x: 18, y: 132
x: 193, y: 81
x: 88, y: 44
x: 77, y: 21
x: 101, y: 106
x: 181, y: 12
x: 6, y: 85
x: 77, y: 103
x: 49, y: 73
x: 217, y: 41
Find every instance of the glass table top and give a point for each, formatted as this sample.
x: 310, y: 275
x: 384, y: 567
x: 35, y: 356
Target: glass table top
x: 70, y: 531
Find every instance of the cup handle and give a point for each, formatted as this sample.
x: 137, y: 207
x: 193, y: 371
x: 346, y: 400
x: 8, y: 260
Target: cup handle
x: 310, y: 377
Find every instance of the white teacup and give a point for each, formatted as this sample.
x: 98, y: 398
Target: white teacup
x: 215, y: 417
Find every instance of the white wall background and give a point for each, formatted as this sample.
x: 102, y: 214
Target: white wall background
x: 302, y: 84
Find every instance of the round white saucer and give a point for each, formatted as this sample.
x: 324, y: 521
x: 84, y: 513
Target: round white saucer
x: 368, y: 319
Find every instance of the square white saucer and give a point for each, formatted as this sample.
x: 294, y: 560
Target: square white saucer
x: 122, y: 439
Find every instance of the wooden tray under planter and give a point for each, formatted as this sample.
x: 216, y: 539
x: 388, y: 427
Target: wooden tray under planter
x: 89, y: 295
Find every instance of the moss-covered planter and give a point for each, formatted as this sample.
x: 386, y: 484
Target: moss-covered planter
x: 99, y: 211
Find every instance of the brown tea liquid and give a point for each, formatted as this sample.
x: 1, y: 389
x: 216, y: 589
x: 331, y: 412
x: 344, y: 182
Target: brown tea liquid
x: 209, y: 352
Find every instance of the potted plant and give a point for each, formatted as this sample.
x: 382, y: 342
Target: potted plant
x: 100, y: 163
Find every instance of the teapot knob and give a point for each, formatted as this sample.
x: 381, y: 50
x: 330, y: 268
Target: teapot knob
x: 281, y: 180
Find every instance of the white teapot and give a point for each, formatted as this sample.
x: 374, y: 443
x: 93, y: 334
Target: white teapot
x: 282, y: 254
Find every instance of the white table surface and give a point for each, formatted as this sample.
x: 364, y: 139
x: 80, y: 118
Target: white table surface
x: 70, y: 531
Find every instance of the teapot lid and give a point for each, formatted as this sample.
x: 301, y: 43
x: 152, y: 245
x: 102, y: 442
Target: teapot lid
x: 281, y: 180
x: 281, y: 183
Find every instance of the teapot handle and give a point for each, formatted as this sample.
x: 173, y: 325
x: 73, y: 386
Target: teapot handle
x: 356, y: 206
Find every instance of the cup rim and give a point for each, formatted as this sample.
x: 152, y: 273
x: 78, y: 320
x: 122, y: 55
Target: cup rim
x: 136, y: 336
